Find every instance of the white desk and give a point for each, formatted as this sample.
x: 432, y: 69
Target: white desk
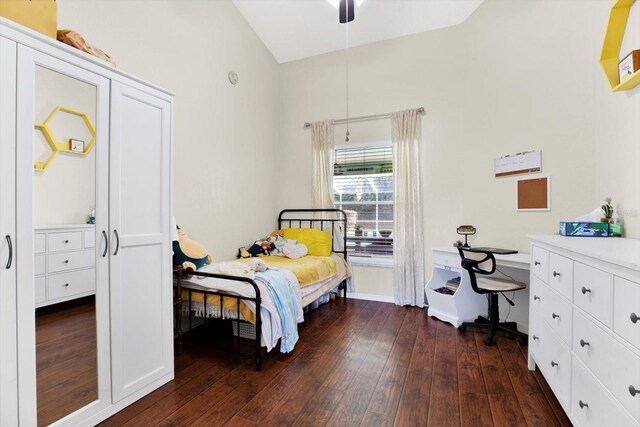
x: 466, y: 305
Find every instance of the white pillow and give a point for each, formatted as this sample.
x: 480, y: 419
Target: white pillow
x: 294, y: 251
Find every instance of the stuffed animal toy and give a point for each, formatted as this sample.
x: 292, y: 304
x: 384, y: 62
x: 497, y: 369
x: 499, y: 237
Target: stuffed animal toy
x: 188, y: 253
x: 257, y: 265
x: 242, y: 253
x: 257, y: 250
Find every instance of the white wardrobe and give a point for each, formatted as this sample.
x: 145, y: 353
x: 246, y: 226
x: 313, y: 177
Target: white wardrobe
x: 132, y: 191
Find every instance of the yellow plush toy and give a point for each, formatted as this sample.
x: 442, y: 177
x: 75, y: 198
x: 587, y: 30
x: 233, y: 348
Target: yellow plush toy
x: 188, y: 253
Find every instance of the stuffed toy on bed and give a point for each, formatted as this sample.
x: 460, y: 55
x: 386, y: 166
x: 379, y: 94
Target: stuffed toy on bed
x: 188, y: 253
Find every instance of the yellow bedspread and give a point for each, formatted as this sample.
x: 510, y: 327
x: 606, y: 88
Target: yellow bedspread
x: 229, y: 303
x: 308, y: 270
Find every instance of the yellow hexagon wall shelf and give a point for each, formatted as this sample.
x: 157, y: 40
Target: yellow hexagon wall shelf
x: 611, y: 48
x: 57, y: 146
x: 42, y: 166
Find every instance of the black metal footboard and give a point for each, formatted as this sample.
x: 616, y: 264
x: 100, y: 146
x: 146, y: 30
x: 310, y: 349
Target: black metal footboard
x: 179, y: 273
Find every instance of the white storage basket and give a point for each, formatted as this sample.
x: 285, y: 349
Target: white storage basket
x: 246, y: 330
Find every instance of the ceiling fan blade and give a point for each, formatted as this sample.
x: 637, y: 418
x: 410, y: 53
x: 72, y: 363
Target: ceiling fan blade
x: 346, y: 11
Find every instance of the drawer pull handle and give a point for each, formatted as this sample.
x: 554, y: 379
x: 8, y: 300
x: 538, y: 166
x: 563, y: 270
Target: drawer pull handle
x: 536, y: 263
x: 536, y: 298
x: 553, y: 364
x: 10, y: 259
x: 66, y: 241
x: 583, y: 343
x: 536, y: 338
x: 66, y: 285
x: 582, y: 404
x: 66, y: 261
x: 634, y: 318
x: 555, y: 316
x: 633, y: 391
x: 585, y: 290
x: 556, y: 274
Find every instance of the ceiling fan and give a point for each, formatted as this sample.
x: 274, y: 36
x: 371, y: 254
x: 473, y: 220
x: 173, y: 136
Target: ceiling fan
x: 346, y: 8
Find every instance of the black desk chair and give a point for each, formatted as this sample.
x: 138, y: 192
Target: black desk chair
x: 483, y: 263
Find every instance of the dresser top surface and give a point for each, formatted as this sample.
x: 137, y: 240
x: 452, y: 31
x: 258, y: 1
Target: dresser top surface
x: 614, y: 250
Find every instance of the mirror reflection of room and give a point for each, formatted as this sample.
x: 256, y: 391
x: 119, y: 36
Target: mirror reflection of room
x: 64, y: 241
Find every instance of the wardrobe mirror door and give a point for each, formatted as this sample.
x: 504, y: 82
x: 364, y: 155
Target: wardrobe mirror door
x: 65, y: 243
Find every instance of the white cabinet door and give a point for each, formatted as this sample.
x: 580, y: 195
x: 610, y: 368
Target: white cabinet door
x: 8, y: 331
x: 140, y: 173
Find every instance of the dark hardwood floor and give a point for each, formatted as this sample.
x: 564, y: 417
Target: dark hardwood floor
x: 357, y: 363
x: 66, y: 364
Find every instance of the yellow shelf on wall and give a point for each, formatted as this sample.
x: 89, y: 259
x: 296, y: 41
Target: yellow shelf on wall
x: 611, y: 48
x: 57, y: 146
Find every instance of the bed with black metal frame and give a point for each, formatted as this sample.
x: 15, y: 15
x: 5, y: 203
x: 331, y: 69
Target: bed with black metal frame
x: 334, y: 220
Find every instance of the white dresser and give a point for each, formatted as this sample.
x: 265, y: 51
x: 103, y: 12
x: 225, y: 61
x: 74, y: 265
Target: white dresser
x: 64, y: 263
x: 585, y: 327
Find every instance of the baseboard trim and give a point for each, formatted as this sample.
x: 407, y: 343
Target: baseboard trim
x: 370, y: 297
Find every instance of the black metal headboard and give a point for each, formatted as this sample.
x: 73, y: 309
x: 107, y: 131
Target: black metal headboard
x: 312, y: 218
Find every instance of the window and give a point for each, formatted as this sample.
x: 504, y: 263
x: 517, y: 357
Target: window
x: 363, y: 188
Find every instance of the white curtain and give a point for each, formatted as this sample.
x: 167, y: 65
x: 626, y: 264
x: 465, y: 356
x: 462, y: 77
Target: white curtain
x: 322, y: 142
x: 408, y: 250
x: 322, y: 187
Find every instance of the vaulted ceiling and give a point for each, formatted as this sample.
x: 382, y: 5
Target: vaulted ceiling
x: 295, y: 29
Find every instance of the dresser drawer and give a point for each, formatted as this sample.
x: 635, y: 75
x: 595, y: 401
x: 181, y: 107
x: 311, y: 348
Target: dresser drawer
x: 40, y: 289
x: 450, y: 261
x: 610, y: 361
x: 66, y: 285
x: 39, y: 265
x: 626, y: 309
x: 552, y: 309
x: 592, y: 292
x: 561, y: 275
x: 591, y: 405
x: 40, y: 243
x: 70, y: 241
x: 540, y: 263
x: 553, y: 357
x: 71, y: 260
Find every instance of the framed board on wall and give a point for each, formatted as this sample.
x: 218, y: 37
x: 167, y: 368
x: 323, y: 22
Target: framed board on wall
x: 533, y: 194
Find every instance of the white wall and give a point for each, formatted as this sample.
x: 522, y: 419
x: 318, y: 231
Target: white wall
x: 225, y: 136
x: 65, y: 191
x: 515, y: 76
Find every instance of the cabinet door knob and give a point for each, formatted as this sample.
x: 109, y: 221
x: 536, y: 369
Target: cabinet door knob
x: 553, y: 364
x: 536, y: 338
x: 66, y: 261
x: 556, y: 274
x: 555, y: 316
x: 583, y: 343
x: 536, y: 298
x: 536, y: 262
x: 633, y: 391
x: 66, y: 285
x: 66, y: 241
x: 582, y: 404
x: 634, y: 318
x: 585, y: 290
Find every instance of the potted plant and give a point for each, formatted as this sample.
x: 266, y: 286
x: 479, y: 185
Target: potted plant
x: 607, y: 209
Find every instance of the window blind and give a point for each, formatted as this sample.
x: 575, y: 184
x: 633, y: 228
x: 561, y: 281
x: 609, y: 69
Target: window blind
x: 363, y: 187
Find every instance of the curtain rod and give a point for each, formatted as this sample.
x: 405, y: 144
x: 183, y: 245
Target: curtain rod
x: 363, y: 118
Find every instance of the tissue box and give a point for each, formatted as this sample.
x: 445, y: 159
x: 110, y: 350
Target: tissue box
x: 584, y: 229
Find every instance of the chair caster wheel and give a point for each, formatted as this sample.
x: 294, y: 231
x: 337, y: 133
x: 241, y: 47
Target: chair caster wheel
x: 488, y: 342
x: 462, y: 329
